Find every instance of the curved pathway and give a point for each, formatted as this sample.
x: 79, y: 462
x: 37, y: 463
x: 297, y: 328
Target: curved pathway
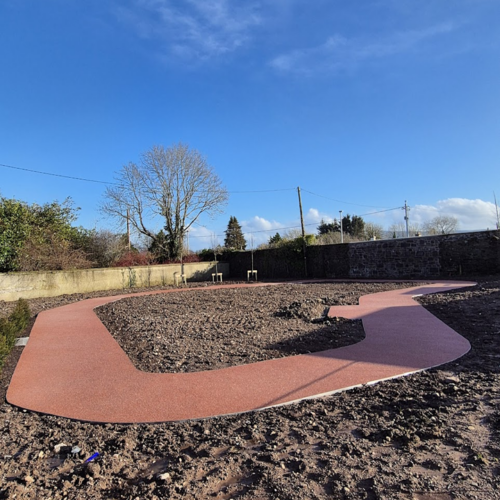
x: 72, y: 366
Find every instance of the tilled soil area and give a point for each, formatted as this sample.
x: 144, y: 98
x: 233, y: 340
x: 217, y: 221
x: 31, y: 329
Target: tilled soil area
x: 212, y: 329
x: 433, y: 435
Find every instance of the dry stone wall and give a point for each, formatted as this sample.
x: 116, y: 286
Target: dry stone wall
x: 442, y: 256
x: 403, y: 258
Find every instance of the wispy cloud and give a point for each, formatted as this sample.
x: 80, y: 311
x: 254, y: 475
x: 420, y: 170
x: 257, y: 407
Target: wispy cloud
x: 340, y: 53
x: 192, y: 29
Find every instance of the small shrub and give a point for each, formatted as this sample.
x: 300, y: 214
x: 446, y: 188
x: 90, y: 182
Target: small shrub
x: 192, y: 257
x: 13, y: 325
x: 20, y: 316
x: 49, y: 251
x: 5, y: 348
x: 206, y: 255
x: 186, y: 259
x: 7, y: 332
x: 134, y: 259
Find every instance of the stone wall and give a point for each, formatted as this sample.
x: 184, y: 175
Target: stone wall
x: 470, y: 253
x: 465, y: 254
x: 402, y: 258
x: 52, y: 283
x: 279, y: 263
x: 399, y: 258
x: 328, y: 261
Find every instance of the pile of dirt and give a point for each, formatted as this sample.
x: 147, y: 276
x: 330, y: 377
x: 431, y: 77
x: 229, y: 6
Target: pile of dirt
x: 433, y: 435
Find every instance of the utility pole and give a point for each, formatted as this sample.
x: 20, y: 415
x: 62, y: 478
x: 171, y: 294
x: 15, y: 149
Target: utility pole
x: 187, y: 240
x: 341, y: 228
x: 303, y: 232
x: 406, y: 208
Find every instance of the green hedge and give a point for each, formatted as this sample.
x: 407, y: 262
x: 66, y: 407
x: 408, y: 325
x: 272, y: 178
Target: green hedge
x: 13, y: 325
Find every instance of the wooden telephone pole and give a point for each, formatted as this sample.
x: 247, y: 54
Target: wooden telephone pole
x: 303, y: 233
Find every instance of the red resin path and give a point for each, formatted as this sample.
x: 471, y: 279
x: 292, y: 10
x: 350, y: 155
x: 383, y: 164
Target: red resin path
x: 72, y: 367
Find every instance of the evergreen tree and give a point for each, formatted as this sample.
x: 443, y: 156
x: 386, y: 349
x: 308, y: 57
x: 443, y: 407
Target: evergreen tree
x: 358, y: 226
x: 234, y: 236
x: 332, y: 227
x: 354, y: 226
x: 159, y: 247
x: 276, y: 239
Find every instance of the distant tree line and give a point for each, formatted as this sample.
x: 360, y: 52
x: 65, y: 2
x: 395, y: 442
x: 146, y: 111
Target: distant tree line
x: 354, y: 228
x: 43, y: 237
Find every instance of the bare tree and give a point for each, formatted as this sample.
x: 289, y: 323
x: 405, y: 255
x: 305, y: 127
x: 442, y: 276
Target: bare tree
x: 374, y: 231
x: 176, y: 184
x: 333, y: 238
x: 442, y: 224
x: 292, y: 234
x: 104, y: 247
x: 398, y: 230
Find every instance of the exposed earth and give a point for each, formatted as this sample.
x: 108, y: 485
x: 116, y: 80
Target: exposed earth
x: 212, y: 329
x: 432, y: 435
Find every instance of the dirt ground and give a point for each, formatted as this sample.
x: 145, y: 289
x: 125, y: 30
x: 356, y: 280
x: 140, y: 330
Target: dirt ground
x: 433, y: 435
x: 213, y: 329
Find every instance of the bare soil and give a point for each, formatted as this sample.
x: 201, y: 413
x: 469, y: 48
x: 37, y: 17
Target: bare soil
x: 433, y: 435
x: 212, y: 329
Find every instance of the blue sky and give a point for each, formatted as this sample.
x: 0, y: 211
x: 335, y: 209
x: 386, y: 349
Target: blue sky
x: 363, y: 104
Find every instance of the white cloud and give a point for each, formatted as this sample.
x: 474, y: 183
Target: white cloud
x: 471, y: 214
x: 201, y: 237
x: 260, y: 230
x: 192, y: 29
x: 257, y: 223
x: 340, y: 53
x: 313, y: 218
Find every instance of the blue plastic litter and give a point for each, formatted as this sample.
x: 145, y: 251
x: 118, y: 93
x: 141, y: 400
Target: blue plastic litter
x: 94, y: 456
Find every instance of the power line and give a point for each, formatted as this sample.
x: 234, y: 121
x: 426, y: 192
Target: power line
x: 291, y: 227
x: 381, y: 211
x: 263, y: 191
x: 255, y: 232
x: 339, y: 201
x: 116, y: 184
x: 55, y: 175
x: 40, y: 172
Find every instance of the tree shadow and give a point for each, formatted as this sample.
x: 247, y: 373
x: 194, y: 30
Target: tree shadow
x: 335, y: 333
x: 474, y: 313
